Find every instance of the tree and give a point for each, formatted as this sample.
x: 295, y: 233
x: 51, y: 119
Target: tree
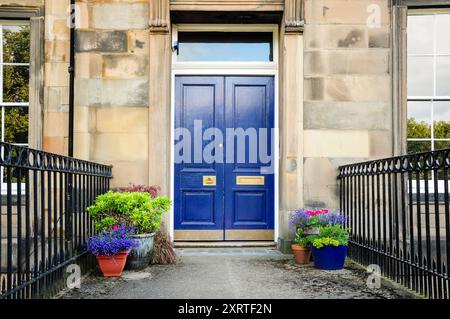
x: 422, y: 130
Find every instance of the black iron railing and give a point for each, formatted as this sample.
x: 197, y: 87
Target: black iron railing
x: 43, y: 218
x: 399, y: 218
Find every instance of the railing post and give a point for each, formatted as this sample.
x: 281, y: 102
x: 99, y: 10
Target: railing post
x: 69, y: 203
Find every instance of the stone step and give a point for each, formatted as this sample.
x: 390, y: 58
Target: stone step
x: 224, y: 244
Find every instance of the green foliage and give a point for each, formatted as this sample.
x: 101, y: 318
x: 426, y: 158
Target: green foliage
x: 422, y: 130
x: 418, y: 129
x: 138, y: 210
x: 303, y: 240
x: 16, y: 125
x: 16, y: 50
x: 331, y: 235
x: 442, y: 129
x: 326, y: 241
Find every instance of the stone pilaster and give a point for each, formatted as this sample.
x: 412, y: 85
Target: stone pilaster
x: 291, y: 114
x: 159, y: 95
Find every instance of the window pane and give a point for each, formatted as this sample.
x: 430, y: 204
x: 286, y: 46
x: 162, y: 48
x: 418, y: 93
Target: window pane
x: 442, y: 29
x: 442, y: 119
x: 419, y: 120
x: 15, y: 83
x: 417, y: 147
x: 16, y: 44
x: 443, y: 75
x: 420, y: 76
x: 439, y: 145
x: 420, y: 31
x: 16, y: 125
x: 14, y: 171
x: 225, y: 46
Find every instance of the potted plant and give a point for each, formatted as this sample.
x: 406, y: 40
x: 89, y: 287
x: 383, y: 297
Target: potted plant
x: 147, y: 219
x: 307, y: 225
x: 329, y: 249
x: 135, y: 209
x: 301, y: 247
x: 111, y: 248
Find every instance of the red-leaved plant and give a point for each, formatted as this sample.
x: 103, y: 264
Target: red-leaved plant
x: 135, y: 188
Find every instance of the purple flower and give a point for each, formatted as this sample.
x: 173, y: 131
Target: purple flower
x: 298, y: 219
x: 334, y: 218
x: 111, y: 242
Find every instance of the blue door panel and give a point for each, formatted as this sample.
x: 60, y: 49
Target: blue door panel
x: 249, y: 104
x: 199, y: 103
x: 198, y: 207
x: 250, y: 207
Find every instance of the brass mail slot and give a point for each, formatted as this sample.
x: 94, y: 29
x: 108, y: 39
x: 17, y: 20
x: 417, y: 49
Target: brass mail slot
x: 209, y: 181
x: 250, y: 180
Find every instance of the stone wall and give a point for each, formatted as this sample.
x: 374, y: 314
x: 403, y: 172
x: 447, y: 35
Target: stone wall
x: 56, y: 77
x: 111, y: 107
x: 347, y: 102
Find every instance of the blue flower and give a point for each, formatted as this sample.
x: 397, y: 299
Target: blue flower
x: 298, y: 219
x: 113, y: 241
x: 334, y: 218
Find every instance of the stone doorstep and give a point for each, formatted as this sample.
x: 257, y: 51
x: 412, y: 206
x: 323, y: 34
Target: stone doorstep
x: 224, y: 244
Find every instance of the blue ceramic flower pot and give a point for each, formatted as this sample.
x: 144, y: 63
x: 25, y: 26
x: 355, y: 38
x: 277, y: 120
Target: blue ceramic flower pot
x: 329, y: 257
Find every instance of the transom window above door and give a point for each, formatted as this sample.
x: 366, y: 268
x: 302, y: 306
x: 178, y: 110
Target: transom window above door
x: 225, y: 46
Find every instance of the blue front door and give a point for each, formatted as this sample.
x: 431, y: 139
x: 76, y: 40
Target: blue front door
x: 224, y: 178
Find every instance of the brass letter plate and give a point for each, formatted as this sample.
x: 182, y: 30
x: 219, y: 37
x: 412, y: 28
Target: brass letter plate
x: 250, y: 180
x: 209, y: 181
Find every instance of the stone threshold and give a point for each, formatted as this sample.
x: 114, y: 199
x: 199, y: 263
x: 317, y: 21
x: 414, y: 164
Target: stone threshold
x: 223, y: 244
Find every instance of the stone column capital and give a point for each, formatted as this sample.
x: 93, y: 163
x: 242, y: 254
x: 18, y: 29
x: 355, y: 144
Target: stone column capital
x: 159, y: 16
x: 294, y: 16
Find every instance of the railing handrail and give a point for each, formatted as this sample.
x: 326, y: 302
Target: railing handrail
x: 417, y: 161
x: 45, y: 161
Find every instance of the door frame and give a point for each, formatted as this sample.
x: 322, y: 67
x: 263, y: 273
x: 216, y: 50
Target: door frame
x: 224, y: 69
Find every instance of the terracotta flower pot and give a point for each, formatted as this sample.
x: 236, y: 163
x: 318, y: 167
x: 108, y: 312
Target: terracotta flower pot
x: 112, y: 266
x: 302, y: 254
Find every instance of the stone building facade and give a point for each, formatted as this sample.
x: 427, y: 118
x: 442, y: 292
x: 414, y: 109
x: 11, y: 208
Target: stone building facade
x: 340, y: 85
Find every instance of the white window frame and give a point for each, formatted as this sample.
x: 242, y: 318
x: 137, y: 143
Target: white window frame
x: 3, y: 105
x: 434, y: 98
